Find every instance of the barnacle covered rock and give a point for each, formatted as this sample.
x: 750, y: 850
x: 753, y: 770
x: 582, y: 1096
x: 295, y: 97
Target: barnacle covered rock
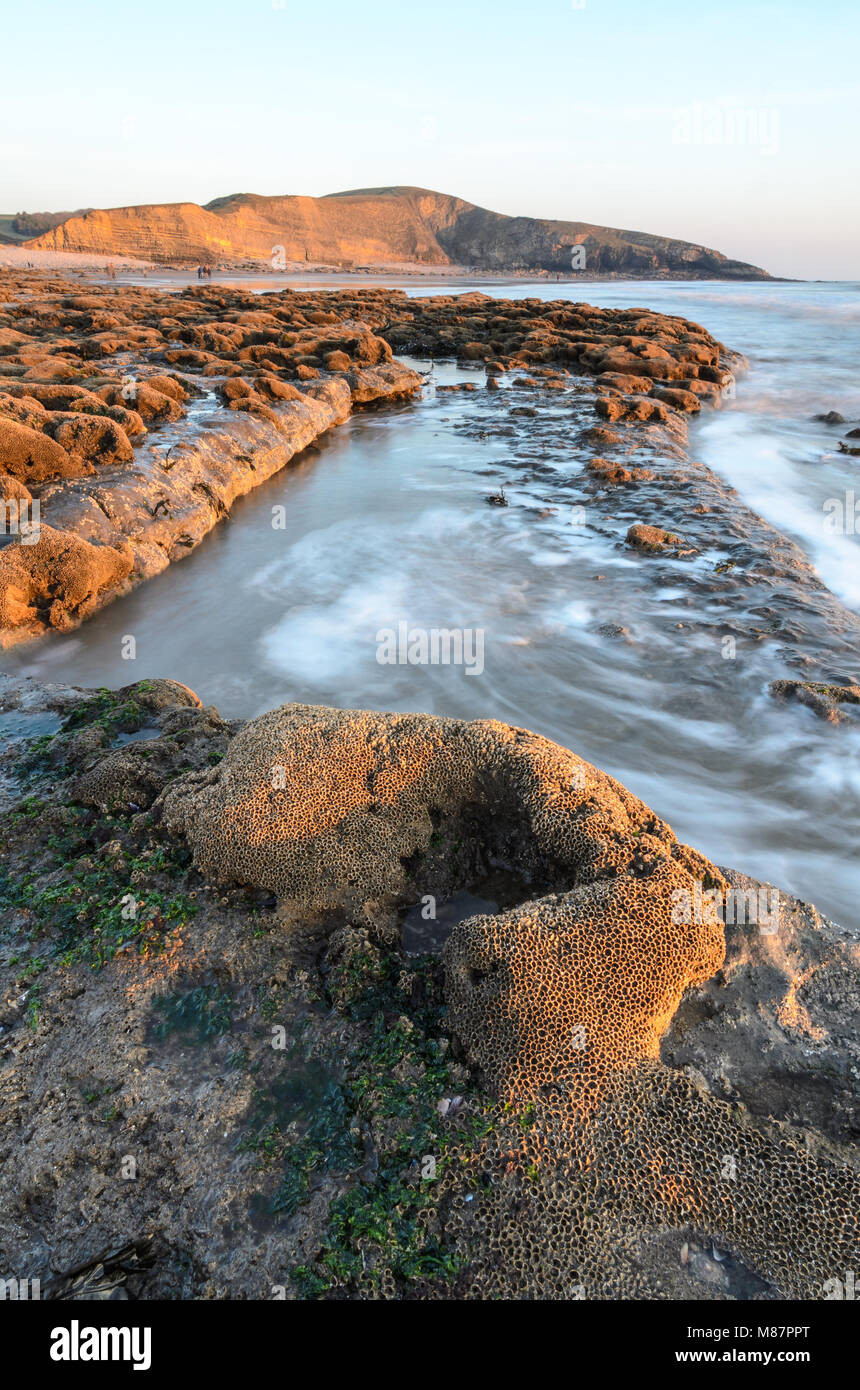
x: 58, y: 579
x: 570, y: 987
x: 601, y: 1168
x: 555, y: 1203
x: 349, y: 807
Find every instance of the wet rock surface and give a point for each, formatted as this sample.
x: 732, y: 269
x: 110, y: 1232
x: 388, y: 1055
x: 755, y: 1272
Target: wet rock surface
x: 640, y: 487
x: 223, y: 1070
x: 831, y: 702
x: 232, y: 388
x: 90, y: 394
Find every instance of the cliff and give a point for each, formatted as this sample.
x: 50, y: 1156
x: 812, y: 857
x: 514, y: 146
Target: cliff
x: 378, y: 226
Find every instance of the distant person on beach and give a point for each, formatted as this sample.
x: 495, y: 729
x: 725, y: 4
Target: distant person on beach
x: 200, y: 272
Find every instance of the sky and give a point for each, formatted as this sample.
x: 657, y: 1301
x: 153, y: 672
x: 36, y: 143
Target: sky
x: 731, y: 123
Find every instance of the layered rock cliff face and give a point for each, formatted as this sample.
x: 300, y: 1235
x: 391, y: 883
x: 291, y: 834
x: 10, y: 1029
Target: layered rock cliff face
x: 379, y: 226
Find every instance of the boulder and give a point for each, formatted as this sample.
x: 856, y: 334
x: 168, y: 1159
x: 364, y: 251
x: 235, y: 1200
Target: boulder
x: 57, y: 581
x: 628, y: 385
x: 150, y: 404
x: 26, y: 410
x: 632, y: 408
x: 652, y: 539
x: 679, y: 399
x: 327, y: 806
x: 829, y: 701
x: 93, y: 437
x: 12, y: 489
x: 33, y: 456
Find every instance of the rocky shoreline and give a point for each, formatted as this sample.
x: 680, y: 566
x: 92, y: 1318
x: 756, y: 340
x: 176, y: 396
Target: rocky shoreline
x: 631, y: 1073
x: 88, y: 378
x: 223, y: 1076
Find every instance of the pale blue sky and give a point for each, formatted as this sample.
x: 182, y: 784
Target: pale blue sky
x: 734, y: 124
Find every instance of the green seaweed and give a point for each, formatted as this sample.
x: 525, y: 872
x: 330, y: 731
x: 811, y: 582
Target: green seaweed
x: 197, y: 1015
x: 85, y: 903
x: 393, y: 1078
